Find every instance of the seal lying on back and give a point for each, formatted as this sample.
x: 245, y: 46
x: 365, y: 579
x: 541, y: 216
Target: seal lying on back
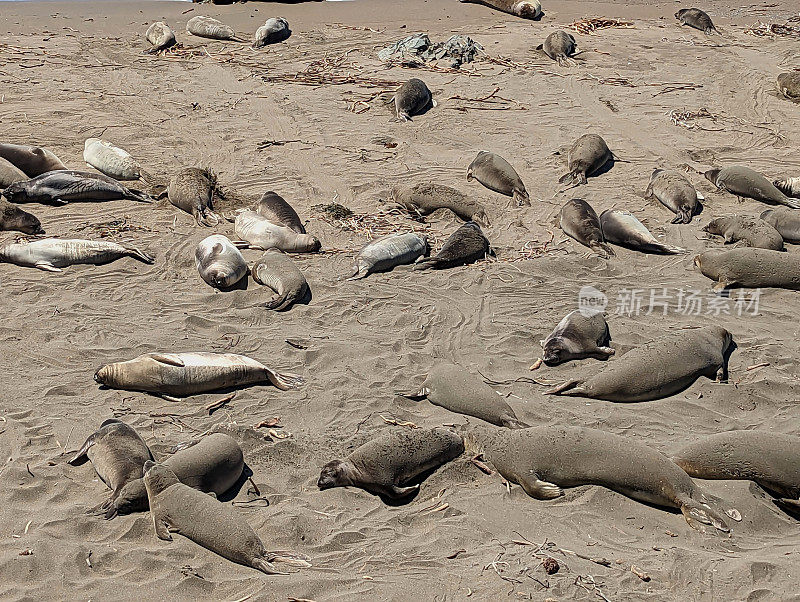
x: 273, y: 31
x: 496, y: 174
x: 387, y: 252
x: 581, y: 333
x: 190, y: 373
x: 788, y: 186
x: 785, y: 221
x: 275, y: 208
x: 207, y: 27
x: 745, y: 182
x: 559, y: 46
x: 578, y: 220
x: 750, y: 231
x: 427, y: 197
x: 395, y: 457
x: 111, y: 160
x: 278, y: 272
x: 10, y: 173
x: 588, y: 155
x: 212, y: 465
x: 694, y: 17
x: 117, y: 453
x: 219, y: 262
x: 33, y: 160
x: 789, y: 85
x: 14, y: 218
x: 676, y: 193
x: 453, y: 388
x: 749, y: 267
x: 682, y: 357
x: 178, y: 508
x: 52, y: 254
x: 61, y: 187
x: 192, y: 190
x: 261, y: 233
x: 544, y: 459
x: 527, y: 9
x: 622, y: 228
x: 412, y: 98
x: 466, y: 245
x: 160, y: 36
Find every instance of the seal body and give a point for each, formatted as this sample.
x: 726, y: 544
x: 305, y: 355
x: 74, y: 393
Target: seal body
x: 32, y: 160
x: 578, y: 220
x: 192, y: 190
x: 544, y: 459
x: 621, y: 228
x: 749, y: 267
x: 789, y: 85
x: 588, y: 155
x: 14, y: 218
x: 785, y: 221
x: 160, y: 36
x: 560, y: 46
x: 412, y: 98
x: 496, y: 174
x: 261, y: 233
x: 675, y: 192
x: 387, y: 252
x: 52, y: 254
x: 190, y: 373
x: 527, y: 9
x: 275, y: 208
x: 219, y: 262
x: 393, y: 458
x: 747, y: 230
x: 681, y: 357
x: 788, y: 186
x: 60, y: 187
x: 278, y: 272
x: 9, y: 174
x: 694, y: 17
x: 273, y: 31
x: 466, y: 245
x: 111, y: 160
x: 745, y: 182
x: 580, y: 334
x: 427, y: 197
x: 208, y: 27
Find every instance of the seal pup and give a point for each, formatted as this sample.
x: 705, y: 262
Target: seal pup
x: 212, y: 465
x: 453, y: 388
x: 52, y: 254
x: 580, y: 334
x: 412, y: 98
x: 191, y: 373
x: 387, y: 252
x: 749, y: 267
x: 466, y: 245
x: 192, y: 190
x: 426, y: 197
x: 621, y: 228
x: 682, y: 357
x: 14, y: 218
x: 395, y: 457
x: 496, y: 174
x: 111, y: 160
x: 588, y: 155
x: 748, y: 230
x: 579, y: 221
x: 789, y: 85
x: 261, y: 233
x: 745, y: 182
x: 275, y: 30
x: 544, y: 459
x: 219, y: 262
x: 788, y: 186
x: 9, y: 174
x: 560, y: 46
x: 275, y: 208
x: 694, y: 17
x: 33, y: 160
x: 527, y: 9
x: 178, y: 508
x: 60, y: 187
x: 277, y: 271
x: 676, y: 193
x: 160, y: 37
x: 117, y: 453
x: 208, y: 27
x: 785, y: 221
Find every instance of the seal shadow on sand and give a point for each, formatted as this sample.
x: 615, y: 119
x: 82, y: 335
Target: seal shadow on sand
x: 234, y: 489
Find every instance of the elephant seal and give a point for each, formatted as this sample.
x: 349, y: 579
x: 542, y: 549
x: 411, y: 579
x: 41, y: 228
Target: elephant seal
x: 694, y: 17
x: 191, y: 373
x: 676, y: 193
x: 9, y: 174
x: 681, y: 357
x: 275, y: 208
x: 160, y: 37
x: 382, y: 465
x: 261, y: 233
x: 622, y: 228
x: 117, y: 453
x: 544, y: 459
x: 425, y: 198
x: 273, y: 31
x: 219, y: 262
x: 579, y: 221
x: 464, y: 246
x: 527, y: 9
x: 785, y: 221
x: 208, y: 27
x: 14, y: 218
x: 587, y: 156
x: 387, y: 252
x: 770, y: 459
x: 111, y: 160
x: 212, y: 465
x: 745, y: 182
x: 192, y: 190
x: 412, y: 98
x: 52, y: 254
x: 178, y: 508
x: 60, y: 187
x: 751, y: 231
x: 560, y: 46
x: 453, y: 388
x: 580, y: 334
x: 789, y: 85
x: 788, y: 186
x: 277, y: 271
x: 33, y: 160
x: 749, y: 267
x: 496, y: 174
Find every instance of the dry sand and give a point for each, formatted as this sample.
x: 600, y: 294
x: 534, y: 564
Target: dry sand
x: 74, y: 70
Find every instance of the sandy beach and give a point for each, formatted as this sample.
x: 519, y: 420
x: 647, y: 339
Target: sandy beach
x: 74, y: 70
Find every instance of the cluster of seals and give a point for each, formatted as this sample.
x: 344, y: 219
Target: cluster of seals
x: 387, y: 252
x: 160, y: 36
x: 527, y: 9
x: 560, y: 46
x: 111, y: 160
x: 578, y: 220
x: 749, y: 267
x: 219, y: 262
x: 14, y: 218
x: 278, y: 272
x: 213, y: 29
x: 621, y: 228
x: 412, y: 98
x: 496, y: 174
x: 262, y: 233
x: 748, y: 183
x: 32, y: 160
x: 425, y: 198
x: 788, y: 186
x: 588, y: 155
x: 52, y: 254
x: 275, y: 30
x: 785, y: 221
x: 464, y: 246
x: 580, y: 334
x: 746, y: 230
x: 676, y: 193
x: 274, y: 207
x: 694, y: 17
x: 192, y: 190
x: 789, y: 85
x: 10, y: 174
x: 61, y: 187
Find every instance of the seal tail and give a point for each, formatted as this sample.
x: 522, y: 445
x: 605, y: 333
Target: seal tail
x: 426, y: 263
x: 521, y: 198
x: 80, y: 457
x: 418, y: 396
x: 285, y: 380
x: 513, y: 422
x: 138, y: 254
x: 291, y: 558
x: 136, y: 195
x: 698, y: 515
x: 570, y: 385
x: 278, y: 302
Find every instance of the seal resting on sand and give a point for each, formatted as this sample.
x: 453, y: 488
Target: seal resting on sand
x: 387, y: 252
x: 178, y: 508
x: 33, y: 160
x: 62, y: 186
x: 748, y: 230
x: 219, y: 263
x: 397, y: 456
x: 579, y: 221
x: 580, y: 334
x: 425, y: 198
x: 587, y: 156
x: 745, y: 182
x: 261, y: 233
x: 453, y: 388
x: 192, y: 190
x: 681, y: 357
x: 208, y: 27
x: 788, y: 186
x: 52, y: 254
x: 694, y: 17
x: 9, y: 174
x: 277, y: 271
x: 622, y: 228
x: 789, y: 85
x: 274, y: 207
x: 275, y: 30
x: 111, y: 160
x: 785, y: 221
x: 160, y: 36
x: 14, y: 218
x: 464, y: 246
x: 412, y: 98
x: 749, y: 267
x: 676, y: 193
x: 544, y: 459
x: 496, y: 174
x: 560, y: 46
x: 527, y: 9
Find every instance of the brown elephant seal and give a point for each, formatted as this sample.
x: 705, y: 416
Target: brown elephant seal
x: 425, y: 198
x: 544, y: 459
x: 191, y: 373
x: 560, y: 46
x: 52, y: 254
x: 496, y: 174
x: 178, y: 508
x: 464, y: 246
x: 382, y: 465
x: 59, y: 187
x: 219, y: 263
x: 412, y: 98
x: 117, y: 453
x: 192, y: 190
x: 261, y: 233
x: 453, y: 388
x: 213, y: 29
x: 682, y: 357
x: 788, y: 186
x: 10, y: 174
x: 694, y: 17
x: 277, y: 271
x: 275, y: 30
x: 588, y: 155
x: 387, y: 252
x: 745, y: 182
x: 785, y: 221
x: 275, y: 208
x: 212, y: 465
x: 579, y: 221
x: 160, y: 36
x: 14, y: 218
x: 580, y: 334
x: 621, y: 228
x: 527, y: 9
x: 789, y: 85
x: 676, y: 193
x: 33, y: 160
x: 747, y: 230
x: 749, y: 267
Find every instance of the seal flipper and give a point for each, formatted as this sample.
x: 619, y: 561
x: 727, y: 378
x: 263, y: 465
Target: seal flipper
x: 603, y: 250
x: 698, y: 515
x: 166, y: 359
x: 81, y: 457
x: 570, y: 385
x: 162, y: 528
x: 540, y: 490
x: 46, y: 266
x: 512, y: 422
x: 567, y: 177
x: 394, y: 491
x: 138, y: 254
x: 266, y: 567
x: 418, y: 396
x: 426, y: 263
x: 285, y: 380
x: 521, y: 198
x: 290, y: 558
